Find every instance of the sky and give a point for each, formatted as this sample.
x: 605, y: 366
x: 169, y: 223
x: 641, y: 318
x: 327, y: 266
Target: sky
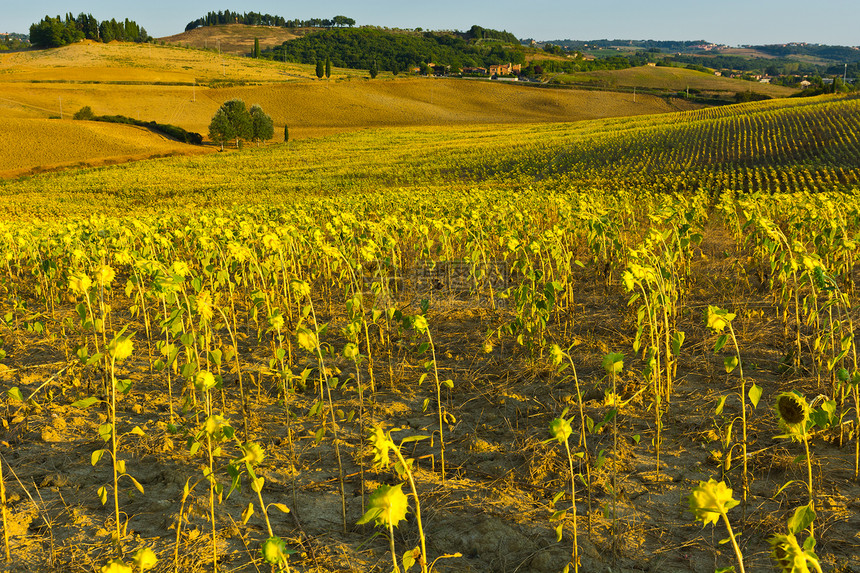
x: 731, y: 22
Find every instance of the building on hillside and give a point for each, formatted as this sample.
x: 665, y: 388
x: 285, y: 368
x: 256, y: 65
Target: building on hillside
x: 505, y: 69
x: 805, y: 84
x: 652, y: 64
x: 475, y: 71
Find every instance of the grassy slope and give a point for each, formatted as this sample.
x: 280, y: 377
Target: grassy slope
x: 675, y: 79
x: 36, y: 84
x: 237, y: 39
x: 28, y: 144
x: 743, y: 147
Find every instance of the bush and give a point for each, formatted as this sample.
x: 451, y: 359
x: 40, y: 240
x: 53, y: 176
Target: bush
x: 742, y: 97
x: 85, y: 112
x: 172, y: 131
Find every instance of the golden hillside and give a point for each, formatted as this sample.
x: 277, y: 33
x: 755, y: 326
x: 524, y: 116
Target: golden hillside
x: 236, y: 39
x: 674, y: 79
x: 185, y: 87
x: 28, y: 145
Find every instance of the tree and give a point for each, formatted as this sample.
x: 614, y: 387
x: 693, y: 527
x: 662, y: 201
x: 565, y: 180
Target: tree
x: 327, y: 67
x: 231, y: 121
x: 262, y: 128
x: 85, y: 112
x: 320, y: 69
x: 256, y: 47
x: 374, y: 69
x: 286, y: 133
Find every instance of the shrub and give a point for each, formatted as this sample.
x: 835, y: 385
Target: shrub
x: 85, y: 112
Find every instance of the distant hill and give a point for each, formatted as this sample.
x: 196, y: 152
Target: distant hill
x: 236, y: 39
x: 672, y: 79
x: 185, y: 87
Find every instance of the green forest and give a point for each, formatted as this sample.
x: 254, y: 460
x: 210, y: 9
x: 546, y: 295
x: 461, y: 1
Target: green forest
x: 56, y: 32
x: 358, y: 48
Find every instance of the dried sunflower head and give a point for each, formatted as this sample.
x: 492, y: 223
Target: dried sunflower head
x: 791, y: 557
x: 793, y: 412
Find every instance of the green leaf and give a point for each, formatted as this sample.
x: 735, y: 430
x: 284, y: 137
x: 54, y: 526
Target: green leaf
x: 319, y: 435
x: 730, y: 363
x: 94, y: 358
x: 123, y: 386
x: 315, y: 409
x: 721, y: 341
x: 105, y: 431
x: 280, y: 506
x: 561, y: 514
x: 15, y: 394
x: 448, y: 383
x: 559, y: 530
x: 135, y: 482
x: 557, y: 497
x: 613, y: 362
x: 785, y: 485
x: 408, y: 439
x: 677, y: 340
x: 103, y: 494
x: 96, y: 456
x: 257, y: 484
x: 722, y: 404
x: 369, y: 515
x: 802, y: 518
x: 307, y: 340
x: 215, y: 356
x: 409, y: 558
x: 246, y: 515
x: 754, y: 395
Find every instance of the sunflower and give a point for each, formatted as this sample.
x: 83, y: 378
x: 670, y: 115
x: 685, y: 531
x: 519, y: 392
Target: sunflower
x: 793, y: 412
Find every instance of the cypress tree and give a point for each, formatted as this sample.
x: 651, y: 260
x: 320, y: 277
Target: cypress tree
x: 256, y: 47
x: 374, y: 70
x: 320, y: 69
x: 327, y: 67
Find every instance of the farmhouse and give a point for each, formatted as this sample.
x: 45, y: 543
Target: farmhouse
x: 505, y: 69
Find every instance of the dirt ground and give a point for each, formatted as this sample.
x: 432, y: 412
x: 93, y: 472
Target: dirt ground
x: 495, y: 504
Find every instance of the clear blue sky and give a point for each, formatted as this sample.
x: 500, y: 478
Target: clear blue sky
x: 730, y: 22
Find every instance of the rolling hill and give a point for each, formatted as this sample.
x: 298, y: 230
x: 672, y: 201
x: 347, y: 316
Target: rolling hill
x: 185, y: 87
x: 673, y: 79
x: 235, y: 39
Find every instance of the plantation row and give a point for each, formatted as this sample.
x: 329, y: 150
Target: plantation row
x: 251, y: 340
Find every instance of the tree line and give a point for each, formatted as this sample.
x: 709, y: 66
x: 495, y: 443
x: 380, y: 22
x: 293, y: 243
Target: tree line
x: 14, y: 42
x: 257, y: 19
x: 56, y: 32
x: 174, y: 131
x: 365, y: 47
